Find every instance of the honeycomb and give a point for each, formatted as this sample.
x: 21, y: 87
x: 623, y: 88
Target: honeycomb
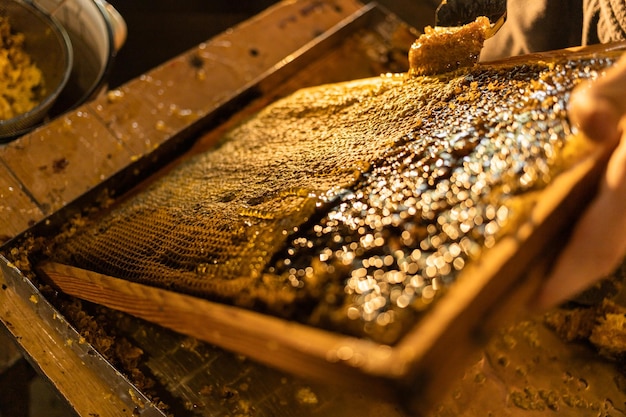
x: 352, y: 206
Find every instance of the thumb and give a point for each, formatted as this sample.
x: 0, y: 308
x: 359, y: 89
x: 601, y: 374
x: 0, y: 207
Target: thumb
x: 597, y: 106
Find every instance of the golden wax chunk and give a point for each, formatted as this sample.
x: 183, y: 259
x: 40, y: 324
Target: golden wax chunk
x: 444, y: 49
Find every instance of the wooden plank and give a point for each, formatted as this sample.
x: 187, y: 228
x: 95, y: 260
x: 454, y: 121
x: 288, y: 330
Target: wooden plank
x: 151, y: 109
x: 70, y: 373
x: 60, y: 162
x: 18, y: 211
x: 290, y: 346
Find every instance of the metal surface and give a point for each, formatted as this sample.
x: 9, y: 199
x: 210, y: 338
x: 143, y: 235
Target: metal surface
x: 97, y: 32
x: 49, y: 46
x: 461, y: 12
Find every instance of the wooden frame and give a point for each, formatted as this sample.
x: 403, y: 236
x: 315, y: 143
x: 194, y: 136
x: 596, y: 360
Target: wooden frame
x: 424, y: 362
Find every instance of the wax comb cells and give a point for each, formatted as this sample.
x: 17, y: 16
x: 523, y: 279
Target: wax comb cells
x: 350, y: 206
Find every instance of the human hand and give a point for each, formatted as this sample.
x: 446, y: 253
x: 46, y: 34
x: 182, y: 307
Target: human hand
x: 598, y: 242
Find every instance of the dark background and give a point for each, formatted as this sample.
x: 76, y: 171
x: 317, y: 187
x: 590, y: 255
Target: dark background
x: 161, y: 29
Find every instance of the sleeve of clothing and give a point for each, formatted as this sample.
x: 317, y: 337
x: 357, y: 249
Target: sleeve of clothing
x: 540, y: 25
x: 604, y: 21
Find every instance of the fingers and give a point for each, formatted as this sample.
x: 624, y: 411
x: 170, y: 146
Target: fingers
x: 594, y: 114
x: 598, y: 243
x: 596, y: 107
